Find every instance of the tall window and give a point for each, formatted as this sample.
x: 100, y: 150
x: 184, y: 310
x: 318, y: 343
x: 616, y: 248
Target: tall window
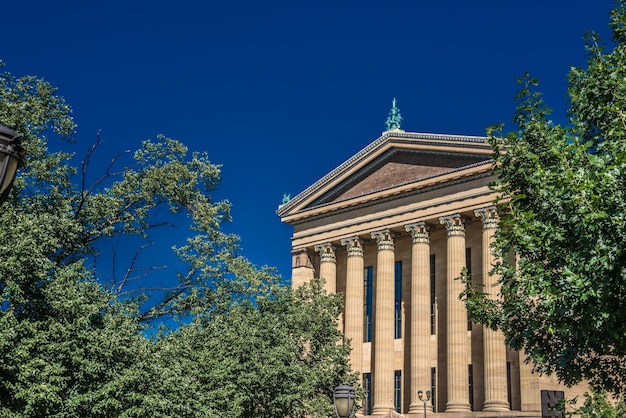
x: 367, y: 388
x: 433, y: 297
x: 397, y: 391
x: 433, y: 388
x: 398, y: 299
x: 367, y: 307
x: 468, y: 266
x: 470, y: 386
x: 508, y: 382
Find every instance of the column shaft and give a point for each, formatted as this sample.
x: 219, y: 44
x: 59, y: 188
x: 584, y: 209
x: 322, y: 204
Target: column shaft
x: 354, y: 301
x: 457, y: 346
x: 383, y: 324
x: 496, y: 398
x: 420, y: 316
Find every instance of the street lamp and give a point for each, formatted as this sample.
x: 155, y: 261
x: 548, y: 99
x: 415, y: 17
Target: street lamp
x: 12, y: 156
x: 344, y: 401
x: 420, y: 395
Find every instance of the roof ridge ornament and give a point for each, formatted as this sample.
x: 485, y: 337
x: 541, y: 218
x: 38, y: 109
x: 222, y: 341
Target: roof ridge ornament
x: 394, y: 119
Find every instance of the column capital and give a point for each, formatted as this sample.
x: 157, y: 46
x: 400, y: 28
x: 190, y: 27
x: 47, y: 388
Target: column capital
x: 354, y: 245
x: 384, y: 239
x: 489, y: 217
x: 454, y: 225
x: 419, y: 232
x: 327, y: 252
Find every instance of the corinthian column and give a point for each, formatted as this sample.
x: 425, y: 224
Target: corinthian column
x: 420, y: 315
x: 328, y: 266
x: 493, y: 341
x: 383, y: 324
x: 457, y: 347
x: 354, y: 300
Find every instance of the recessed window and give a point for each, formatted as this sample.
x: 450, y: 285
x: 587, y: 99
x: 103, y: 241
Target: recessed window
x: 397, y: 391
x: 367, y: 305
x: 398, y: 299
x: 433, y: 297
x: 367, y: 388
x: 468, y: 266
x: 470, y: 376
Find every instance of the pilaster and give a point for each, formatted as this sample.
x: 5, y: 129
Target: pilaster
x: 301, y: 267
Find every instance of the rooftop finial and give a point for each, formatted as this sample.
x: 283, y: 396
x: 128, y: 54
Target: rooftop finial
x: 394, y: 119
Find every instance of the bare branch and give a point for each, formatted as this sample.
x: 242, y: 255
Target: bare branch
x: 131, y: 270
x: 154, y: 289
x: 161, y: 308
x: 108, y: 173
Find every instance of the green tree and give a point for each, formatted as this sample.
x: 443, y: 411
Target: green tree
x: 598, y: 405
x: 562, y: 232
x: 73, y: 342
x: 277, y: 354
x: 132, y: 200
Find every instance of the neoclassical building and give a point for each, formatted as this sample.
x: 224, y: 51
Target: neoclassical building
x: 391, y: 229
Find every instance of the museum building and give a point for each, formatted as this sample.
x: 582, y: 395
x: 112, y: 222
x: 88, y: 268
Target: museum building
x: 391, y: 229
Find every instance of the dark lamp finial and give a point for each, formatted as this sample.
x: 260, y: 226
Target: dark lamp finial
x: 12, y: 156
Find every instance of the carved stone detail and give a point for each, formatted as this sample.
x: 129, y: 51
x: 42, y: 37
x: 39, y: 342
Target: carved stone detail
x: 489, y: 217
x: 327, y: 252
x: 354, y: 246
x: 384, y: 239
x: 301, y: 258
x: 454, y: 225
x: 419, y: 232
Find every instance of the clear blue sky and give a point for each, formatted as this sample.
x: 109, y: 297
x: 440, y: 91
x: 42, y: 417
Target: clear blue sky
x: 281, y: 92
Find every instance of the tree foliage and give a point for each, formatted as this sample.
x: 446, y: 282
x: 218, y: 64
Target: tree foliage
x: 275, y: 356
x: 598, y: 405
x: 562, y: 234
x: 75, y: 342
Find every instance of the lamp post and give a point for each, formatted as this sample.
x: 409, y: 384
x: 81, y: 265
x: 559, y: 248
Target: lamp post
x: 424, y: 399
x: 344, y: 401
x: 12, y: 156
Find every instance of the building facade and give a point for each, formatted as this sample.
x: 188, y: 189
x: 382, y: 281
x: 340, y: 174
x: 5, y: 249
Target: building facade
x: 391, y: 229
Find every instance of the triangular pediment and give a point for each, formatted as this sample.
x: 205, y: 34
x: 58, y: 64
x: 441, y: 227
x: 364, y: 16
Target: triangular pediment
x: 395, y: 168
x: 395, y: 163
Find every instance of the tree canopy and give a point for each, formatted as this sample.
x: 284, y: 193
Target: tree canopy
x: 77, y: 342
x: 123, y: 201
x: 562, y: 234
